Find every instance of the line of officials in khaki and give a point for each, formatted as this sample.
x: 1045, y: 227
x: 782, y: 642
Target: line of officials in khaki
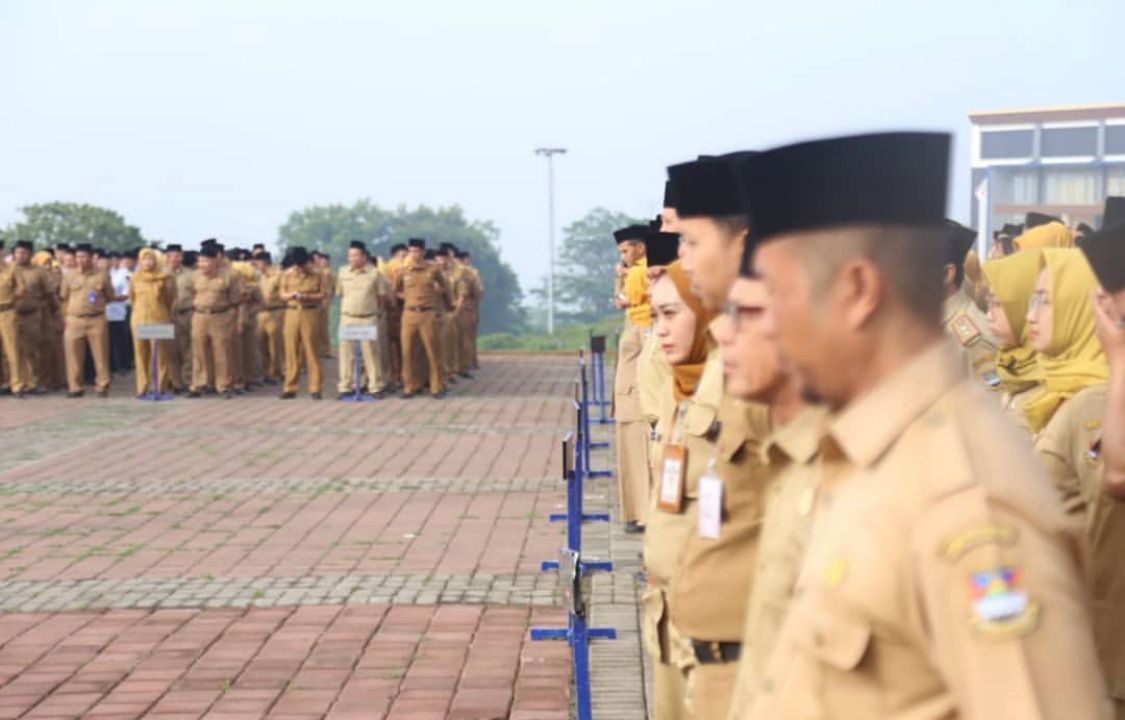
x: 875, y: 478
x: 240, y: 320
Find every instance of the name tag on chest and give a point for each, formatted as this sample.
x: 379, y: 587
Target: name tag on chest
x: 673, y: 469
x: 710, y: 506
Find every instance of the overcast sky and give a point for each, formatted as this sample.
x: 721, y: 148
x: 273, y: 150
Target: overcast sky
x: 220, y: 117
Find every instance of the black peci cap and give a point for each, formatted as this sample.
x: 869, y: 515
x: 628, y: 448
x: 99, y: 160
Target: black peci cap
x: 961, y: 240
x: 883, y: 179
x: 430, y: 254
x: 669, y: 196
x: 209, y: 251
x: 1114, y: 213
x: 298, y: 255
x: 24, y: 245
x: 1106, y: 252
x: 419, y: 243
x: 397, y: 247
x: 1035, y: 219
x: 707, y: 187
x: 174, y: 247
x: 358, y: 245
x: 661, y: 248
x: 84, y: 247
x: 631, y: 233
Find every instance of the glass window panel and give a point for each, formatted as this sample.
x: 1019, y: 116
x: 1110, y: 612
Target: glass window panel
x: 1067, y: 186
x: 1068, y: 142
x: 1001, y: 144
x: 1016, y: 186
x: 1115, y: 140
x: 1115, y: 181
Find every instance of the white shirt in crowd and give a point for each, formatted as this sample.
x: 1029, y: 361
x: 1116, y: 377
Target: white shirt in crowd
x: 118, y: 311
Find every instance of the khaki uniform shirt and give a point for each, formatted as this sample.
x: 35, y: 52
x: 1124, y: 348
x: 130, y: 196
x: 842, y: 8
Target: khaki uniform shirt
x: 86, y: 293
x: 653, y: 372
x: 37, y: 291
x: 790, y: 452
x: 270, y: 285
x: 476, y: 286
x: 151, y: 299
x: 359, y: 291
x: 421, y: 286
x: 310, y: 282
x: 1070, y: 448
x: 707, y: 599
x: 966, y: 324
x: 941, y: 579
x: 216, y: 292
x: 11, y: 285
x: 182, y: 277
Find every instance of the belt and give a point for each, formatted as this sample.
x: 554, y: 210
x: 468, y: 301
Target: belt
x: 88, y: 315
x: 272, y: 308
x: 216, y: 311
x: 301, y: 307
x: 418, y: 308
x: 716, y: 652
x: 27, y: 312
x: 7, y: 307
x: 184, y: 311
x: 369, y: 315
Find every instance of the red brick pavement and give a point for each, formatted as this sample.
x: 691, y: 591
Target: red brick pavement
x: 256, y: 488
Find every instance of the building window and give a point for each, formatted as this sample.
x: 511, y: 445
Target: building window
x: 1115, y: 180
x: 1071, y: 186
x: 1068, y: 142
x: 1006, y: 144
x: 1115, y: 139
x: 1016, y: 187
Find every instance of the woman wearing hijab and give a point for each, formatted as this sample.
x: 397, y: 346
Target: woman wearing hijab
x: 151, y: 294
x: 1010, y: 282
x: 1051, y: 235
x: 1066, y: 417
x: 684, y: 443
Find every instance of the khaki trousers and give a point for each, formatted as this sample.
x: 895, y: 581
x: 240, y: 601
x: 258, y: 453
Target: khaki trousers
x: 709, y: 689
x: 179, y: 360
x: 142, y: 356
x: 10, y: 350
x: 237, y: 356
x: 302, y: 328
x: 29, y: 329
x: 369, y: 352
x: 384, y: 352
x: 669, y: 653
x: 271, y: 342
x: 323, y: 342
x: 476, y: 334
x: 631, y: 428
x: 83, y: 330
x: 211, y: 336
x: 394, y: 343
x: 52, y: 375
x: 251, y: 352
x: 465, y: 338
x: 450, y: 346
x: 420, y: 327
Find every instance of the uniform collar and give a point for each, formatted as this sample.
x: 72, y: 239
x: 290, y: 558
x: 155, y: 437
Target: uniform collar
x: 870, y: 425
x: 798, y: 440
x: 953, y: 305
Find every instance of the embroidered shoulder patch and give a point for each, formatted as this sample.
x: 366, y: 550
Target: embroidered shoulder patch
x: 1001, y: 607
x: 965, y: 329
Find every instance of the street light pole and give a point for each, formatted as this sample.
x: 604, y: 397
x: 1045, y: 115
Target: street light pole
x: 550, y: 153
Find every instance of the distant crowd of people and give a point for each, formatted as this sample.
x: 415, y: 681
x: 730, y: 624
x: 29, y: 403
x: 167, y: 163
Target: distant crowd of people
x: 71, y: 316
x: 876, y: 478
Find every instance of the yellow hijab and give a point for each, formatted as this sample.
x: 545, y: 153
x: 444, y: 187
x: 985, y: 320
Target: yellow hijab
x: 1076, y: 359
x: 685, y: 376
x: 1051, y: 235
x: 157, y: 272
x: 1012, y: 280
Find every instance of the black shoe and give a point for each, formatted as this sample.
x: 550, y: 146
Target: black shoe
x: 378, y: 394
x: 633, y: 527
x: 237, y: 391
x: 39, y: 391
x: 194, y: 394
x: 227, y: 395
x: 467, y: 375
x: 103, y: 394
x: 74, y: 395
x: 287, y: 395
x: 406, y: 395
x: 314, y: 396
x: 5, y: 391
x: 451, y: 380
x: 19, y: 394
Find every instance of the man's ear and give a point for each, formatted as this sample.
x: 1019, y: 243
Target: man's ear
x: 858, y: 292
x: 949, y: 274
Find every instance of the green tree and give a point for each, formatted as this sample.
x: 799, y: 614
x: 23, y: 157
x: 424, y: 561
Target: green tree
x: 329, y: 228
x: 584, y: 269
x: 52, y: 223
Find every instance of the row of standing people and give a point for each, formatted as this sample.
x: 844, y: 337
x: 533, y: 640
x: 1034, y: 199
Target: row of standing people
x: 240, y: 321
x: 861, y: 494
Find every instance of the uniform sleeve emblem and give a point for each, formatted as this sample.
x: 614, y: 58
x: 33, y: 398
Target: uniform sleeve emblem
x: 1001, y: 607
x: 965, y: 329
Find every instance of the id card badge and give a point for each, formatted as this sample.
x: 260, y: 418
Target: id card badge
x: 673, y: 469
x: 710, y: 505
x: 92, y: 297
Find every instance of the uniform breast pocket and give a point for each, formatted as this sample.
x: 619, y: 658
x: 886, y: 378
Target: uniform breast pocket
x: 837, y: 652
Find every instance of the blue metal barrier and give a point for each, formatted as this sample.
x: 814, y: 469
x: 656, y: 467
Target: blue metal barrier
x: 585, y: 440
x: 572, y: 568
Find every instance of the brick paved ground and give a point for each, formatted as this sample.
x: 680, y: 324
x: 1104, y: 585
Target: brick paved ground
x: 254, y: 558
